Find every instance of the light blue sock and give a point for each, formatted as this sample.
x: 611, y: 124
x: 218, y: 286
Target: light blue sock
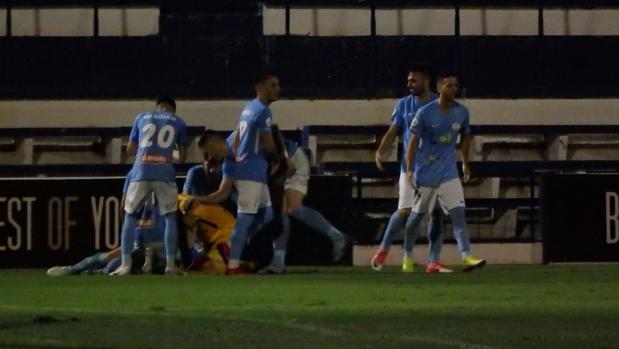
x: 435, y: 237
x: 127, y: 237
x: 244, y: 222
x: 279, y: 258
x: 316, y: 221
x: 460, y: 232
x: 396, y: 223
x: 262, y: 217
x: 281, y: 243
x: 171, y: 238
x: 93, y: 262
x: 411, y: 232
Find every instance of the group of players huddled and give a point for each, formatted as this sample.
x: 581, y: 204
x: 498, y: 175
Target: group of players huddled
x: 265, y: 177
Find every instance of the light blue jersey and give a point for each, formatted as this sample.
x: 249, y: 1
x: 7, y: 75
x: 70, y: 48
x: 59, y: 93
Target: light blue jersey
x: 157, y: 134
x: 251, y: 162
x: 438, y: 130
x: 403, y: 114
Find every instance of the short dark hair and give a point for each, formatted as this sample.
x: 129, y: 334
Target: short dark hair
x: 422, y: 68
x: 448, y: 74
x: 204, y: 138
x: 264, y: 76
x: 167, y: 100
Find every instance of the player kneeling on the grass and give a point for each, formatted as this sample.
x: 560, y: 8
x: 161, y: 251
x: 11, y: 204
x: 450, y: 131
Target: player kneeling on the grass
x: 295, y: 189
x: 418, y: 83
x: 154, y: 137
x: 431, y: 165
x: 209, y: 225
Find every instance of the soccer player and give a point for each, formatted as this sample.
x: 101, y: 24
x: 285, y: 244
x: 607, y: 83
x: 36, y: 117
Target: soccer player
x: 418, y: 83
x: 149, y: 231
x: 154, y: 137
x: 431, y: 164
x: 254, y: 150
x: 211, y: 224
x: 295, y: 190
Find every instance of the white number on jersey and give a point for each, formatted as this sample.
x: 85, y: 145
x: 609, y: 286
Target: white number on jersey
x: 165, y: 136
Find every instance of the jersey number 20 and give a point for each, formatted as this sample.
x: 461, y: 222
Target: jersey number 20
x: 165, y: 136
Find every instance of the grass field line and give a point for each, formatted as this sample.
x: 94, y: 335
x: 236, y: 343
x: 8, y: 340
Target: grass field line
x: 305, y: 327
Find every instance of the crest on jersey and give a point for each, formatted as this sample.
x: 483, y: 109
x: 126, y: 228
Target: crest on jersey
x: 268, y: 121
x: 415, y: 122
x: 455, y: 126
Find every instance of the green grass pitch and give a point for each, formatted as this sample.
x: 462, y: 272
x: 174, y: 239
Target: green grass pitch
x: 557, y: 306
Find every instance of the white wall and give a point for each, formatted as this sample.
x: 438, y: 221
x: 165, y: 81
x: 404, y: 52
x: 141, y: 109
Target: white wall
x: 291, y: 114
x: 333, y: 22
x: 79, y: 21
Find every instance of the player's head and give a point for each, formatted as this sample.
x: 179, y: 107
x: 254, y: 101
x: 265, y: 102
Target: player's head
x: 447, y: 85
x: 267, y: 87
x: 214, y: 149
x: 165, y: 103
x: 418, y: 79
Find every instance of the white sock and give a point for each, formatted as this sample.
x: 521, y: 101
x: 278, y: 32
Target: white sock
x: 233, y: 263
x: 126, y: 261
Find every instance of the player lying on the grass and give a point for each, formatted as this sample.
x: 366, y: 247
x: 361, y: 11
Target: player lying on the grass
x: 418, y: 83
x: 154, y: 137
x: 148, y: 255
x: 431, y: 165
x: 295, y: 190
x: 209, y: 226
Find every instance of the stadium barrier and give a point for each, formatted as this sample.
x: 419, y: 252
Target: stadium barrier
x: 580, y: 217
x: 60, y: 220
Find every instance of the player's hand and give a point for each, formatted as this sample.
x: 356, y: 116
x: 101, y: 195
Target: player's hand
x: 410, y: 179
x: 378, y: 158
x: 466, y: 172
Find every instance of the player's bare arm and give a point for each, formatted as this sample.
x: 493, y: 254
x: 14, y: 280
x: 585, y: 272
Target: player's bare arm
x: 222, y: 194
x: 411, y: 151
x: 132, y: 148
x: 182, y: 154
x: 269, y: 146
x: 385, y: 144
x: 464, y: 155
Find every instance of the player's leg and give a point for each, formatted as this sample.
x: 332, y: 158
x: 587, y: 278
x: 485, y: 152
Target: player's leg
x: 423, y: 198
x: 436, y: 230
x: 136, y: 195
x: 451, y: 197
x: 167, y: 199
x: 396, y: 222
x: 294, y: 194
x: 280, y: 246
x: 94, y: 262
x: 254, y: 210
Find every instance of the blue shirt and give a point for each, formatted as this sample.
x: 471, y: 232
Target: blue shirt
x: 157, y: 134
x: 403, y: 114
x: 199, y: 183
x: 251, y: 162
x: 438, y: 130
